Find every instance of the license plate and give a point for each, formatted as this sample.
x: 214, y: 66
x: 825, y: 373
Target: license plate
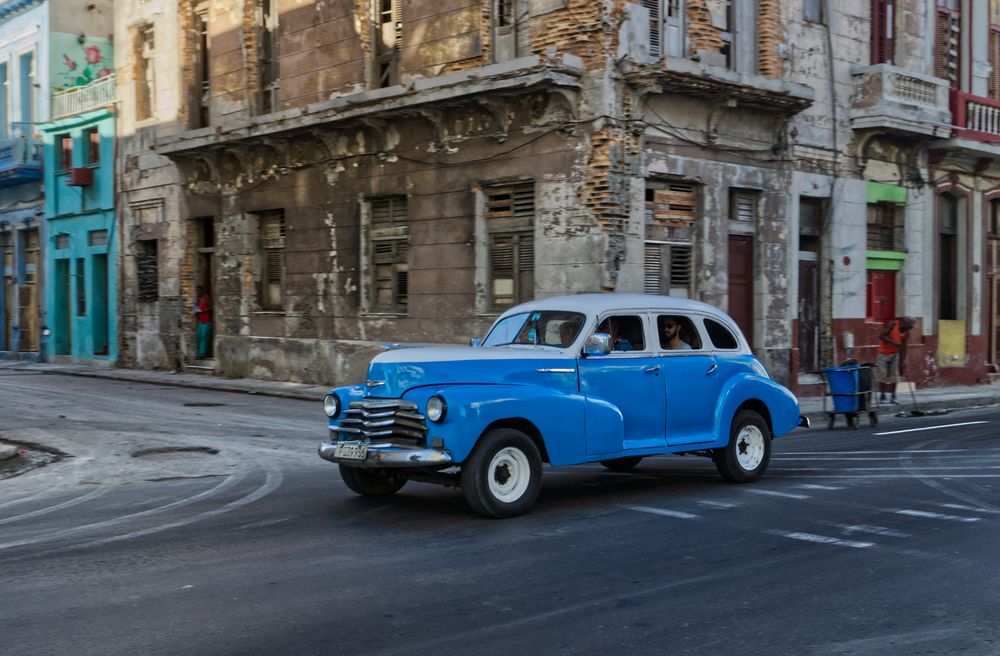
x: 349, y: 451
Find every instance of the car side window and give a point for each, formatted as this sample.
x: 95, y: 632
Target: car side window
x: 625, y: 330
x: 677, y: 333
x: 721, y: 336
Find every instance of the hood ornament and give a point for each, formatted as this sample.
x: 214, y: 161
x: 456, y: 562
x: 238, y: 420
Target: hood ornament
x: 374, y: 383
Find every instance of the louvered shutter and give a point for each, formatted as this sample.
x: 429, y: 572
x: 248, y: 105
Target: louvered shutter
x: 744, y: 206
x: 883, y: 25
x: 681, y: 270
x: 995, y: 61
x: 653, y: 269
x: 272, y: 241
x: 389, y: 250
x: 510, y: 218
x: 655, y: 27
x: 947, y: 36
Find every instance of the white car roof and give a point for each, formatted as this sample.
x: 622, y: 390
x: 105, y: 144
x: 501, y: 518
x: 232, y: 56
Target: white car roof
x: 599, y: 303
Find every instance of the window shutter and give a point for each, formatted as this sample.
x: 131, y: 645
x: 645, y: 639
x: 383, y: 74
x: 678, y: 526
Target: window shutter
x: 655, y: 27
x: 681, y: 270
x: 744, y: 206
x: 883, y: 24
x: 947, y: 35
x: 995, y: 61
x: 389, y: 248
x: 673, y: 27
x: 653, y: 269
x: 510, y: 219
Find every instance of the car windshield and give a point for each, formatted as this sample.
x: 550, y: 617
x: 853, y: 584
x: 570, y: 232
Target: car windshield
x: 549, y: 328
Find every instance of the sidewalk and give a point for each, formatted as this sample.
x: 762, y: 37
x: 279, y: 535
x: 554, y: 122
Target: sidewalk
x: 194, y: 381
x: 931, y: 398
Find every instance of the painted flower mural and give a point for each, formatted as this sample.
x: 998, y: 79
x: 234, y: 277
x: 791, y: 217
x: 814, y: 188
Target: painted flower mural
x: 81, y: 64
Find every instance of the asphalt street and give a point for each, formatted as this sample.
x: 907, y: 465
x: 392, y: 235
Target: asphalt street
x: 184, y: 521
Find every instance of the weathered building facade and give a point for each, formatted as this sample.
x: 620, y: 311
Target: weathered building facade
x: 356, y: 172
x: 342, y: 174
x: 55, y: 60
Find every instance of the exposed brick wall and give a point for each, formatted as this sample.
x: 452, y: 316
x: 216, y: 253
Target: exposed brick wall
x: 702, y: 35
x: 770, y: 36
x: 579, y: 29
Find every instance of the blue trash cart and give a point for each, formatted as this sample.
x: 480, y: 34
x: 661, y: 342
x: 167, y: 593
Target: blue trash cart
x: 851, y: 387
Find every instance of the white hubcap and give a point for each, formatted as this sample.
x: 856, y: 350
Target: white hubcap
x: 750, y: 447
x: 509, y: 474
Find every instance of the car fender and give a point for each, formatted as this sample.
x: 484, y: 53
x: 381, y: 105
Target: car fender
x: 561, y: 418
x: 781, y: 404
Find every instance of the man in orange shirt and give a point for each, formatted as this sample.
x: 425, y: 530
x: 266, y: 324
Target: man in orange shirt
x: 889, y: 362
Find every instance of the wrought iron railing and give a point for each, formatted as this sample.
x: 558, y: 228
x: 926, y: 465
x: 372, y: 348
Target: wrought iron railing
x: 98, y: 93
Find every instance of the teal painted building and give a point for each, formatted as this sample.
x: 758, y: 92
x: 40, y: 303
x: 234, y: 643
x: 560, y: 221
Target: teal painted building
x: 81, y: 254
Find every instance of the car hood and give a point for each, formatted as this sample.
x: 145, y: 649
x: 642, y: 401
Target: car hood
x: 394, y: 372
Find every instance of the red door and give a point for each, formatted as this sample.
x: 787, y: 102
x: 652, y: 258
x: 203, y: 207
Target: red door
x: 881, y: 295
x: 741, y: 283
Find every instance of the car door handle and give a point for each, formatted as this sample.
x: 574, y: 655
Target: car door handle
x: 654, y: 369
x: 711, y: 370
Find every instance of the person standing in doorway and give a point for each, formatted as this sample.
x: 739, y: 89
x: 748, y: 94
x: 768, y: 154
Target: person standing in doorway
x: 203, y: 314
x: 891, y: 358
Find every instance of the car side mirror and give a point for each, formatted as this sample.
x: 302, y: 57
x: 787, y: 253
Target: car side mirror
x: 597, y: 344
x: 475, y: 341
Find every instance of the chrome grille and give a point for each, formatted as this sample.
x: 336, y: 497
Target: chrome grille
x: 383, y: 420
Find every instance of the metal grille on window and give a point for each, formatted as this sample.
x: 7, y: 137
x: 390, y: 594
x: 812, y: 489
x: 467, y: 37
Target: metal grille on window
x: 147, y: 273
x: 272, y: 242
x: 883, y: 227
x: 390, y: 254
x: 510, y: 220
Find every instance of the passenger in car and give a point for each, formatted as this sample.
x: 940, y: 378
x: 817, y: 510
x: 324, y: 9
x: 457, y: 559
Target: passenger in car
x: 670, y: 334
x: 618, y: 343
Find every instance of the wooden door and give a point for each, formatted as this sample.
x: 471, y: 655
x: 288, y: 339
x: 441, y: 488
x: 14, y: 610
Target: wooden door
x: 881, y: 296
x: 741, y: 283
x: 993, y: 297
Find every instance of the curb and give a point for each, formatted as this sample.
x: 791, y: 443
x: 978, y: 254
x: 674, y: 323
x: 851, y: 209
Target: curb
x: 235, y: 388
x: 819, y: 418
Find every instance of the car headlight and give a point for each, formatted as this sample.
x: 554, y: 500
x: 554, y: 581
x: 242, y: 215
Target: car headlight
x: 436, y: 409
x: 331, y: 405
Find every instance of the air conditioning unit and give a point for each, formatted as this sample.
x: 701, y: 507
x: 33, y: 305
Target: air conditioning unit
x: 81, y: 177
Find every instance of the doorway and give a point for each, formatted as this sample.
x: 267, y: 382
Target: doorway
x: 205, y: 267
x: 993, y: 287
x: 741, y: 283
x: 63, y: 322
x: 99, y: 304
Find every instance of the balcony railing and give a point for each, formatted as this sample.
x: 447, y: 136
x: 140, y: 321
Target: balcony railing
x: 98, y: 93
x: 976, y: 117
x: 20, y: 161
x: 888, y: 97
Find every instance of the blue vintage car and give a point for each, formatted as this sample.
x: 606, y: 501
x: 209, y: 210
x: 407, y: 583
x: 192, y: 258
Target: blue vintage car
x: 606, y: 378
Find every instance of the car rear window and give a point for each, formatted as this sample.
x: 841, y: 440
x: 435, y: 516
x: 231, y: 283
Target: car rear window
x: 721, y: 336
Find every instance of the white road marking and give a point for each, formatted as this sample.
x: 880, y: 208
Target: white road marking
x: 958, y: 506
x: 813, y: 486
x: 877, y: 530
x: 717, y: 504
x: 786, y: 495
x: 660, y: 511
x: 93, y: 494
x: 825, y: 539
x: 931, y: 515
x: 883, y: 452
x: 927, y: 428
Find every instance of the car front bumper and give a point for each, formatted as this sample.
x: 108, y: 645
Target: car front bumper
x: 386, y: 454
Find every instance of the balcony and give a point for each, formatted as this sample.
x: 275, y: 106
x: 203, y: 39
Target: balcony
x: 976, y: 117
x: 98, y: 93
x: 20, y: 161
x: 893, y: 99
